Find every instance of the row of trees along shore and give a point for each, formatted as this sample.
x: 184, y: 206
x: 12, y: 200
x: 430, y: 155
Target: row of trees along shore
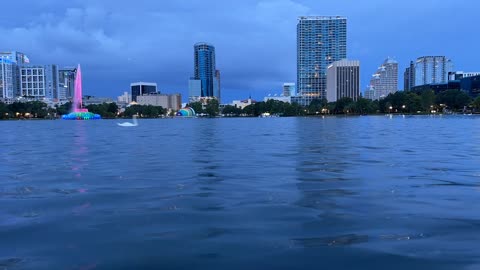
x: 425, y: 102
x: 40, y: 110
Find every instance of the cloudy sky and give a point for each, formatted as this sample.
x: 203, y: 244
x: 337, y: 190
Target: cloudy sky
x: 122, y: 41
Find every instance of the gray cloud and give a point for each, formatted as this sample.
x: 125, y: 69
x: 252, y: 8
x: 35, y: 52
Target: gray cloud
x: 122, y: 41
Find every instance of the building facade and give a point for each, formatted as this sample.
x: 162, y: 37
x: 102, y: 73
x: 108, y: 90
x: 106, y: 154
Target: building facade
x: 321, y: 40
x: 194, y: 90
x: 286, y: 99
x: 142, y: 88
x: 385, y: 80
x: 409, y: 77
x: 39, y: 82
x: 66, y: 83
x: 124, y: 99
x: 289, y: 90
x: 458, y: 75
x: 471, y: 85
x: 10, y: 63
x: 166, y: 101
x: 432, y: 70
x: 205, y: 71
x: 370, y: 93
x: 343, y: 80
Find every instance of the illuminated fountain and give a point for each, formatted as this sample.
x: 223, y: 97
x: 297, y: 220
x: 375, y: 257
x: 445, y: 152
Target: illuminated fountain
x: 79, y: 113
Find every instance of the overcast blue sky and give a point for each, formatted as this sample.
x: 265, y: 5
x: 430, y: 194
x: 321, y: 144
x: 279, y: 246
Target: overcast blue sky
x: 122, y: 41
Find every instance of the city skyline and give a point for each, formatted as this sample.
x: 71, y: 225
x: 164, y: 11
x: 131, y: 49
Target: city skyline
x: 256, y: 55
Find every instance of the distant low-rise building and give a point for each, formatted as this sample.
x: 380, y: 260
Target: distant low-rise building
x: 458, y: 75
x: 279, y: 98
x: 370, y: 94
x: 166, y: 101
x: 142, y: 88
x: 471, y: 85
x: 242, y: 104
x: 91, y: 100
x: 124, y: 99
x: 289, y: 90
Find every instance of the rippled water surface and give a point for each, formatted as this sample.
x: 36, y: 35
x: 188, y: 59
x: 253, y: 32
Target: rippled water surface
x: 279, y: 193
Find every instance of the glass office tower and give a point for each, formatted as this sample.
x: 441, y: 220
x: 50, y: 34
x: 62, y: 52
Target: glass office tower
x: 205, y: 70
x: 320, y: 42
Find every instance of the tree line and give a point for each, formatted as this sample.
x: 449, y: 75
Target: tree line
x: 40, y: 110
x: 399, y: 102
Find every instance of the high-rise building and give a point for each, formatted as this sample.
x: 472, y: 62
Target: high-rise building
x: 7, y: 79
x: 385, y: 80
x: 320, y: 42
x: 194, y: 90
x: 343, y: 80
x: 39, y: 82
x: 66, y: 82
x: 142, y: 88
x: 10, y: 63
x: 409, y: 77
x: 432, y: 70
x: 217, y: 90
x: 205, y: 70
x: 370, y: 93
x: 289, y: 90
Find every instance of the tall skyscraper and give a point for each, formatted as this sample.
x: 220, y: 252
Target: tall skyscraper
x: 205, y: 70
x: 343, y: 80
x: 409, y: 77
x: 385, y: 80
x: 320, y: 42
x: 10, y: 63
x: 142, y: 88
x: 432, y: 70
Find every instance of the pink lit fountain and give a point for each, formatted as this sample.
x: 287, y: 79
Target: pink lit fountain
x: 79, y: 113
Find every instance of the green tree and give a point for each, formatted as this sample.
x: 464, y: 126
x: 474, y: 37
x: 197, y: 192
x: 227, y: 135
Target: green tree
x: 196, y: 106
x: 343, y: 105
x: 453, y: 99
x: 476, y: 103
x: 428, y: 100
x: 64, y: 108
x: 317, y: 105
x: 231, y: 110
x: 212, y: 108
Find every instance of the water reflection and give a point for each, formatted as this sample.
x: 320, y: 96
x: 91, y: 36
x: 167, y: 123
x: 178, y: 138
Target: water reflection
x: 79, y: 153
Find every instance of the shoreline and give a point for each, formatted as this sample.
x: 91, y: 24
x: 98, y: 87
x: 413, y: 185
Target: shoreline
x: 302, y: 116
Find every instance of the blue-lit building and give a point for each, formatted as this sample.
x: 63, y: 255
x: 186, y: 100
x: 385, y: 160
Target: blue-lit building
x: 471, y: 85
x: 321, y: 40
x: 205, y: 70
x: 10, y: 63
x: 432, y: 70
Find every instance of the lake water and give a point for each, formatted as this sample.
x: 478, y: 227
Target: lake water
x: 276, y: 193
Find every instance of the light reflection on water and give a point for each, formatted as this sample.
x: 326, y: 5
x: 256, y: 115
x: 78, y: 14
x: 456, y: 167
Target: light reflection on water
x: 338, y: 193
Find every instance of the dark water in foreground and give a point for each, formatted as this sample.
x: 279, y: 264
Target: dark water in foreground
x: 297, y: 193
